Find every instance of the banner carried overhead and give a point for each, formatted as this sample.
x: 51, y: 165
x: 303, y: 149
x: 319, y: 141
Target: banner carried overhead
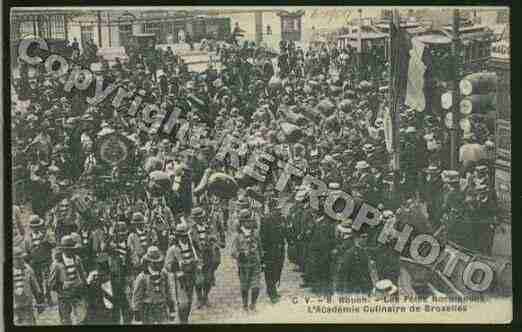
x: 415, y: 89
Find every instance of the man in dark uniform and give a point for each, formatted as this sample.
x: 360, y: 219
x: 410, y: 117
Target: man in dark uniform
x: 39, y: 248
x: 353, y: 273
x: 344, y: 242
x: 273, y: 234
x: 268, y: 69
x: 433, y: 194
x: 453, y: 208
x: 248, y: 253
x: 92, y: 242
x: 205, y: 243
x: 319, y: 253
x: 100, y: 293
x: 120, y: 265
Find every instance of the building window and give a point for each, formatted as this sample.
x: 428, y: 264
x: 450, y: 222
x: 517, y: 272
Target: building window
x: 87, y: 32
x: 56, y: 27
x: 126, y: 28
x: 288, y: 25
x: 26, y: 28
x: 151, y: 27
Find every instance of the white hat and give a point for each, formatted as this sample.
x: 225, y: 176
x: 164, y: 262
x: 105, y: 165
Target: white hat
x: 361, y: 165
x: 386, y: 286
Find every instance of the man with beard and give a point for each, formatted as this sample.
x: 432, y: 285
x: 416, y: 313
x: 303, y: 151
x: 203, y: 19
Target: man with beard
x: 39, y: 248
x: 68, y: 279
x: 205, y: 243
x: 181, y: 260
x: 273, y: 234
x: 152, y: 294
x: 248, y: 253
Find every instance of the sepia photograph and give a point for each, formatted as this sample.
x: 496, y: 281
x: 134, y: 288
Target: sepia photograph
x: 258, y: 164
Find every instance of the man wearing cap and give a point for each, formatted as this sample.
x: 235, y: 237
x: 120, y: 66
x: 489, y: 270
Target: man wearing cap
x: 183, y: 262
x: 68, y: 279
x: 152, y: 295
x: 452, y: 204
x: 480, y: 218
x: 319, y: 251
x: 39, y: 249
x: 25, y: 290
x: 353, y: 274
x: 344, y: 242
x: 92, y: 241
x: 100, y: 293
x: 140, y: 238
x: 387, y: 260
x: 248, y: 253
x: 161, y: 219
x: 65, y: 219
x: 432, y: 194
x: 205, y: 243
x: 362, y: 182
x: 299, y: 217
x: 120, y: 269
x: 272, y: 234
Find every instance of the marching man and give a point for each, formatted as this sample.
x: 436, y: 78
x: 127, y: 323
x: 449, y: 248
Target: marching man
x: 25, y: 290
x: 152, y: 299
x: 247, y: 251
x: 139, y: 240
x: 205, y: 242
x: 68, y: 280
x: 182, y: 261
x: 39, y: 248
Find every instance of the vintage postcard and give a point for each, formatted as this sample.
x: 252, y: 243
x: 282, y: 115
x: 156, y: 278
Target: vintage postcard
x: 269, y: 164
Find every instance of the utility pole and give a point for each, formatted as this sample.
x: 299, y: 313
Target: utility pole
x: 455, y: 110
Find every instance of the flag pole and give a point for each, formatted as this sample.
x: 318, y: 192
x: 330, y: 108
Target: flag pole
x: 455, y: 110
x: 394, y: 101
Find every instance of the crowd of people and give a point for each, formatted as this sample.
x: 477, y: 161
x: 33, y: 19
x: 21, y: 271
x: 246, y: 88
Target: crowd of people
x: 133, y: 240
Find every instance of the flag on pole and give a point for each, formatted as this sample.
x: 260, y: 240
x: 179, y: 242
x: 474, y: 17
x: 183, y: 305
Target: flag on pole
x: 415, y: 88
